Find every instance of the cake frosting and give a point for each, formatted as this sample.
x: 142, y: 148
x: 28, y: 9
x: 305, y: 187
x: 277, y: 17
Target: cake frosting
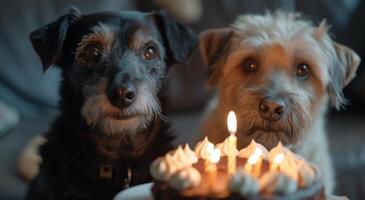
x: 277, y: 183
x: 204, y: 148
x: 181, y: 159
x: 190, y: 154
x: 294, y: 166
x: 277, y: 150
x: 244, y: 183
x: 163, y: 167
x: 307, y: 174
x: 185, y: 178
x: 226, y: 148
x: 250, y: 150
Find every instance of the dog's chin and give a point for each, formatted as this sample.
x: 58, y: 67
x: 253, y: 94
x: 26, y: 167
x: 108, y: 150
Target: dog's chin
x: 128, y: 115
x: 116, y: 122
x: 122, y: 116
x: 126, y: 124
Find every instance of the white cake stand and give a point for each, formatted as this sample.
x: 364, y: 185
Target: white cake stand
x: 139, y: 192
x: 143, y: 192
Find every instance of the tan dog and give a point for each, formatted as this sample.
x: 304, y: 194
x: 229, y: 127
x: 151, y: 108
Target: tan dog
x: 277, y: 72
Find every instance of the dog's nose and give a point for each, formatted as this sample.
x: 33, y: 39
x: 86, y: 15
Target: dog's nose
x: 123, y: 95
x: 272, y: 109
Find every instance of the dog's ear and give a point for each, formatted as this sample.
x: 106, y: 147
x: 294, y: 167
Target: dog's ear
x: 343, y: 71
x: 213, y: 44
x: 48, y: 40
x: 179, y: 40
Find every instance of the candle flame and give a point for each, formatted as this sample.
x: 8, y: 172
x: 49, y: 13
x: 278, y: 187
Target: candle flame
x: 253, y: 159
x: 215, y: 156
x: 279, y: 158
x: 232, y: 122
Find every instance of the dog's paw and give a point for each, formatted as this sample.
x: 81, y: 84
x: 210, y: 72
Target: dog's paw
x: 29, y: 159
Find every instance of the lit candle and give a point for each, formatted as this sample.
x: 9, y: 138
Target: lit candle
x: 257, y: 166
x: 232, y: 139
x: 251, y: 161
x: 209, y: 151
x: 283, y: 160
x: 275, y: 165
x: 211, y: 168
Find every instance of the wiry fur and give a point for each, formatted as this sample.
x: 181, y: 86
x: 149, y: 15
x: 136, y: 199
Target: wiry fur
x: 102, y: 55
x: 278, y: 42
x: 97, y: 108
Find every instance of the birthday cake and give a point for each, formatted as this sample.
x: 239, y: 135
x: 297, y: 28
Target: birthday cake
x: 257, y: 174
x: 222, y: 172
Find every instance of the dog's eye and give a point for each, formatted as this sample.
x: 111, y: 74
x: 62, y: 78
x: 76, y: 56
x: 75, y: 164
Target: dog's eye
x: 149, y: 53
x: 92, y: 52
x: 302, y: 71
x: 250, y: 65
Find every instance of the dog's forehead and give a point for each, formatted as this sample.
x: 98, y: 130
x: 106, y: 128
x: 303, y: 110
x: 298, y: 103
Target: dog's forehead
x: 114, y: 18
x: 298, y: 39
x: 124, y: 25
x: 287, y: 29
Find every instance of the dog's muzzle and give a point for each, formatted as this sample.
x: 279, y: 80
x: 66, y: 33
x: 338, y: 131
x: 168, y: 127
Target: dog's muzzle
x: 122, y: 92
x: 272, y: 109
x: 122, y: 95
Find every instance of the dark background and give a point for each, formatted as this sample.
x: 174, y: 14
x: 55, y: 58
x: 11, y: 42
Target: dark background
x: 28, y: 97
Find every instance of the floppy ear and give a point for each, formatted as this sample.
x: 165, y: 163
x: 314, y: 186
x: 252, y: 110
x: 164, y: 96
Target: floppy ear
x: 48, y: 40
x: 344, y: 70
x: 179, y: 40
x: 213, y: 45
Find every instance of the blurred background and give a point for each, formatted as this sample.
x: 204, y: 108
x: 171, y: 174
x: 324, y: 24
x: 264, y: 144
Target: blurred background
x: 28, y: 97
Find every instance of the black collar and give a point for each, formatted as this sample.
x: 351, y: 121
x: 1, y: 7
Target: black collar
x: 106, y: 172
x: 117, y: 173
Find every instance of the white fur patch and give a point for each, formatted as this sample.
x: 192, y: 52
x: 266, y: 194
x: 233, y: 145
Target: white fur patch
x: 97, y: 110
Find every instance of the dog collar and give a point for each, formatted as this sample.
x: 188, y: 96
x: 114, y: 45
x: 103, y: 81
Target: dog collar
x: 108, y: 173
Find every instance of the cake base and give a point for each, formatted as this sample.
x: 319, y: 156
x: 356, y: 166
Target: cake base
x: 161, y: 191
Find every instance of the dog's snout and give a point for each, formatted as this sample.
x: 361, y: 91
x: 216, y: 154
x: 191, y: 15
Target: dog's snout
x: 122, y: 92
x: 272, y: 109
x: 127, y: 94
x: 123, y: 95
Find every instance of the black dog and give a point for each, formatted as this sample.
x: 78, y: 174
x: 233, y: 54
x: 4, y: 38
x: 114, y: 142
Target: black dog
x: 111, y: 125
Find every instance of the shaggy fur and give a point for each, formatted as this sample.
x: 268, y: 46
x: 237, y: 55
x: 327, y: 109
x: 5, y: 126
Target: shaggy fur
x: 262, y: 57
x: 112, y: 123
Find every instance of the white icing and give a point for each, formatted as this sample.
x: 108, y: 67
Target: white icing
x: 181, y: 159
x: 279, y: 148
x: 277, y: 183
x: 250, y: 150
x: 306, y: 174
x: 163, y: 167
x: 185, y: 178
x: 204, y: 148
x: 244, y: 183
x: 190, y: 154
x: 294, y: 166
x: 226, y: 148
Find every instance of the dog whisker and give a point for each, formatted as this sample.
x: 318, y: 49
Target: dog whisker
x: 163, y: 117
